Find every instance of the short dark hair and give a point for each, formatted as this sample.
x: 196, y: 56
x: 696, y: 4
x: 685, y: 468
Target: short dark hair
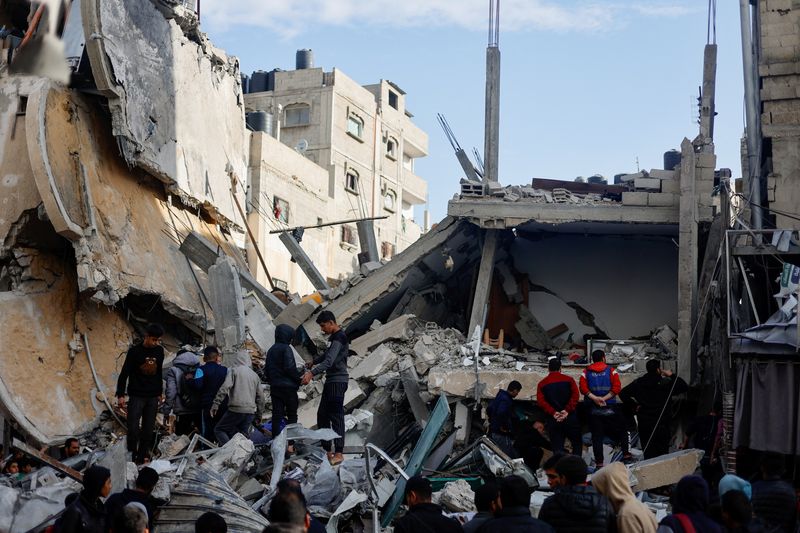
x: 326, y: 316
x: 652, y: 366
x: 287, y: 508
x: 554, y: 364
x: 772, y: 464
x: 514, y: 385
x: 147, y: 479
x: 210, y: 352
x: 129, y: 519
x: 572, y: 467
x: 70, y: 441
x: 154, y: 330
x: 514, y: 492
x: 291, y: 486
x: 277, y: 527
x: 210, y: 523
x: 736, y: 504
x: 420, y: 486
x: 598, y: 355
x: 485, y: 495
x: 551, y: 463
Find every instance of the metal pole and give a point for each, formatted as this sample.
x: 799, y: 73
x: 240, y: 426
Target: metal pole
x: 751, y: 104
x: 338, y: 222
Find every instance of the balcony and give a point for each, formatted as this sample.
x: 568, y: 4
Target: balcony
x: 415, y: 189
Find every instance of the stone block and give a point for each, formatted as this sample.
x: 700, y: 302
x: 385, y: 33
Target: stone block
x: 647, y: 184
x: 307, y: 413
x: 670, y: 186
x: 296, y: 313
x: 662, y: 199
x: 424, y: 358
x: 634, y: 198
x: 397, y: 329
x: 369, y: 267
x: 660, y: 174
x: 381, y: 360
x: 631, y: 177
x: 666, y: 469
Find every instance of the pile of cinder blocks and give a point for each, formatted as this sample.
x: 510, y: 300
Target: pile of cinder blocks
x: 657, y: 188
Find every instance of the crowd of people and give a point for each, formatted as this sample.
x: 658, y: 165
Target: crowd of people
x: 219, y: 400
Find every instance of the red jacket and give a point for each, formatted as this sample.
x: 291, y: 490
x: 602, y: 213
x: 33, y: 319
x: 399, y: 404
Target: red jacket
x: 600, y: 366
x: 557, y: 392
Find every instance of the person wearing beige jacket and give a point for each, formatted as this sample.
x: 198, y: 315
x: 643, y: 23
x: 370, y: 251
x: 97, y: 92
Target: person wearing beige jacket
x: 632, y: 515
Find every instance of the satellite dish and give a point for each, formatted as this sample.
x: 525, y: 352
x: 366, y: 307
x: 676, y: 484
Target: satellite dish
x: 302, y: 146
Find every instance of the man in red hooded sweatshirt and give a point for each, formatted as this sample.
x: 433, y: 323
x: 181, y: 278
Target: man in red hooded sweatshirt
x: 600, y: 386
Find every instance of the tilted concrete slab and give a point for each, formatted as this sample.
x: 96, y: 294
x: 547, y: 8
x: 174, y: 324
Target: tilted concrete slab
x: 399, y: 328
x: 665, y: 469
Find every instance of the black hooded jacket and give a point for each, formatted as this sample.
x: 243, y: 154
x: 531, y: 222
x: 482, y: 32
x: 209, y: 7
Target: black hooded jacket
x: 280, y: 370
x: 578, y: 508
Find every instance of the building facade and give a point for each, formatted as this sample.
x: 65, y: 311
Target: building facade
x: 333, y: 150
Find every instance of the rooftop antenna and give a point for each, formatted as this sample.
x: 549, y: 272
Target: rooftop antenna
x: 492, y: 121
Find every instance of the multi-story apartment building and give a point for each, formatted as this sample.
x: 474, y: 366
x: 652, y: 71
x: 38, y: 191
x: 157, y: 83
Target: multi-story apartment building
x: 332, y: 150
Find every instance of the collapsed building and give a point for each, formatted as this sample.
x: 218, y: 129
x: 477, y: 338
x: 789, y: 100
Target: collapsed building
x: 123, y: 206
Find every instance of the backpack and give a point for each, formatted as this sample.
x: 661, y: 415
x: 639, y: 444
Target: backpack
x: 190, y: 398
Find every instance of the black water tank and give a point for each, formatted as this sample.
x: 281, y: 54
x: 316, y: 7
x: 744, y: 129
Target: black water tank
x: 304, y: 59
x: 257, y: 120
x: 672, y: 160
x: 597, y: 179
x: 245, y: 84
x: 258, y: 81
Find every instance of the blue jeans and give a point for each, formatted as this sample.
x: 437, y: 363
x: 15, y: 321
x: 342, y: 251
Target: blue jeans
x: 232, y: 423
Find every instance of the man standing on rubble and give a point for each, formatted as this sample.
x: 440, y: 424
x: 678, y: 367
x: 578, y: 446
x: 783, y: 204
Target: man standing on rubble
x: 141, y: 377
x: 600, y: 385
x: 333, y: 362
x: 558, y: 396
x: 650, y: 396
x: 283, y: 377
x: 242, y: 387
x: 501, y: 415
x: 207, y: 380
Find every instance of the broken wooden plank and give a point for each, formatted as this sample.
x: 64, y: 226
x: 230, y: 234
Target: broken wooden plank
x: 58, y: 465
x: 557, y: 330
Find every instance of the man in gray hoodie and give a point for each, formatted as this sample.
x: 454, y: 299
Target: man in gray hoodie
x: 332, y: 363
x: 181, y: 400
x: 242, y: 386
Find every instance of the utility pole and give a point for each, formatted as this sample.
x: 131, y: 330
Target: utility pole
x: 492, y: 124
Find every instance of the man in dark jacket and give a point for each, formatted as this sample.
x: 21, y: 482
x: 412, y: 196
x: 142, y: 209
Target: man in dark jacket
x: 422, y: 515
x: 145, y: 483
x: 576, y: 506
x: 485, y: 503
x: 283, y: 377
x: 208, y: 379
x: 558, y: 396
x: 774, y: 500
x: 649, y: 396
x: 86, y: 513
x: 501, y: 415
x: 514, y: 514
x: 141, y: 379
x: 332, y: 363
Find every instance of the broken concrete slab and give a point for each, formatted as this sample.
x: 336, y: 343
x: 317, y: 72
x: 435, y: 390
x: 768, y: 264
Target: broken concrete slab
x: 410, y: 380
x: 303, y: 261
x: 424, y: 358
x: 378, y: 362
x: 307, y: 413
x: 258, y: 323
x: 227, y: 304
x: 457, y: 497
x: 231, y: 457
x: 647, y: 184
x: 296, y: 313
x: 531, y: 331
x: 662, y: 174
x: 399, y: 328
x: 666, y: 469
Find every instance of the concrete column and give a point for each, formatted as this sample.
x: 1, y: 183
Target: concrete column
x: 227, y: 304
x: 708, y: 93
x: 492, y: 133
x: 366, y: 239
x: 687, y: 263
x: 484, y: 283
x: 303, y: 261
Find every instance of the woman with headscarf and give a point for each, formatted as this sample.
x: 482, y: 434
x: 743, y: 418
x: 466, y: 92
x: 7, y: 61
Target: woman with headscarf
x: 87, y: 513
x: 689, y: 505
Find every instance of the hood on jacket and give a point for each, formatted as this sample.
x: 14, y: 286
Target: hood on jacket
x: 186, y: 358
x: 597, y: 367
x: 731, y: 482
x: 690, y: 496
x: 612, y: 482
x: 284, y: 334
x: 239, y: 358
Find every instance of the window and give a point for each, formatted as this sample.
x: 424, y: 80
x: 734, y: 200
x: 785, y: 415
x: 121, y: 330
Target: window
x: 391, y: 148
x: 390, y: 201
x: 393, y: 99
x: 351, y: 181
x: 297, y: 115
x: 355, y: 126
x: 388, y: 250
x: 319, y: 221
x: 280, y: 208
x: 349, y: 235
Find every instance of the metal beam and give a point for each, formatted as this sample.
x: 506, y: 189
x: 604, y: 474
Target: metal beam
x: 304, y: 262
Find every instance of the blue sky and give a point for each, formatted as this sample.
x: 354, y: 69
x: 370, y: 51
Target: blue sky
x: 586, y: 87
